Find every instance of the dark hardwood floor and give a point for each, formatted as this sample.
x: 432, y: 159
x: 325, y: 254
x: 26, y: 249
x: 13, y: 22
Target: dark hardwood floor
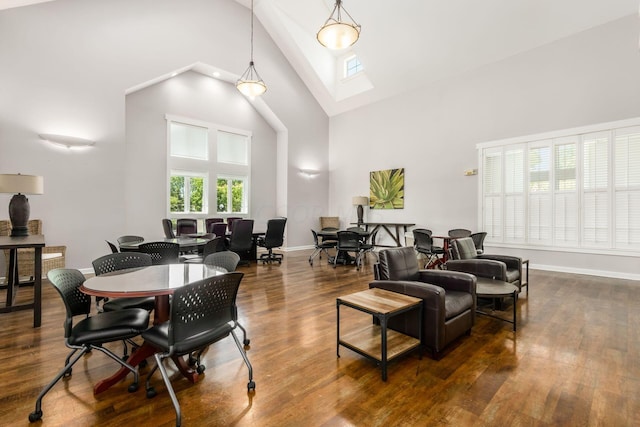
x: 573, y: 361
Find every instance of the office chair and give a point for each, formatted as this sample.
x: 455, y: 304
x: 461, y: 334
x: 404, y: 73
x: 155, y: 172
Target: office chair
x: 202, y: 313
x: 114, y: 248
x: 186, y: 226
x: 478, y: 241
x: 273, y: 238
x: 167, y: 226
x: 208, y: 222
x: 348, y: 241
x: 457, y: 233
x: 91, y: 332
x: 423, y: 244
x: 130, y: 239
x: 320, y: 247
x: 241, y: 240
x: 212, y: 246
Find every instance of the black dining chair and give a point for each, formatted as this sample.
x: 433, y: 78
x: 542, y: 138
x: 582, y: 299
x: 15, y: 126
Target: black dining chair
x: 130, y: 239
x: 348, y: 241
x: 212, y: 246
x: 423, y: 244
x: 202, y: 313
x: 161, y: 252
x: 457, y: 233
x: 321, y: 246
x: 218, y: 228
x: 92, y: 332
x: 114, y: 248
x: 230, y: 221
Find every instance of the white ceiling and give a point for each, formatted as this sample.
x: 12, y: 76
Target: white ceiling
x: 409, y: 43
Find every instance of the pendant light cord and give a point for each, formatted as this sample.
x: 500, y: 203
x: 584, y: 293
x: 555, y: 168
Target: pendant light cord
x: 251, y: 31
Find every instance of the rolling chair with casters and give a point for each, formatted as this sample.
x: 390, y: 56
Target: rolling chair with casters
x: 202, y: 313
x: 229, y: 261
x: 218, y: 228
x: 186, y: 226
x: 241, y: 240
x: 230, y: 222
x: 348, y: 241
x: 91, y: 332
x: 320, y: 247
x: 114, y: 248
x: 273, y: 238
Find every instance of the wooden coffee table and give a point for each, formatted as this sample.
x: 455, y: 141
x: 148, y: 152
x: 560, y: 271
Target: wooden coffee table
x: 373, y: 341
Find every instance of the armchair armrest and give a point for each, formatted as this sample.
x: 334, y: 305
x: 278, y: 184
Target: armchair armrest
x: 480, y: 267
x: 432, y: 295
x: 510, y: 261
x: 450, y: 280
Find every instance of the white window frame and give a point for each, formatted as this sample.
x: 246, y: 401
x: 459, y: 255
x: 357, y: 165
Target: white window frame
x: 208, y: 168
x: 229, y: 193
x: 605, y: 240
x: 345, y: 67
x: 187, y: 192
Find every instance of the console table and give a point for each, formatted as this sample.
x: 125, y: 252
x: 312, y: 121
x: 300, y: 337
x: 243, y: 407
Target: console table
x: 395, y: 234
x: 13, y: 244
x: 375, y: 341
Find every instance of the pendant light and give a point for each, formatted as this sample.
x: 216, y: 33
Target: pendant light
x: 250, y: 83
x: 336, y: 33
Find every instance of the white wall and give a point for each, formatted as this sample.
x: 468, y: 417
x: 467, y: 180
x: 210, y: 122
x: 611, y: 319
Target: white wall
x: 65, y: 67
x: 589, y: 78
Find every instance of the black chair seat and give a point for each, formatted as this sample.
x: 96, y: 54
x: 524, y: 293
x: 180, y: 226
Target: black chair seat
x: 146, y: 303
x: 456, y: 302
x: 158, y: 336
x: 111, y: 326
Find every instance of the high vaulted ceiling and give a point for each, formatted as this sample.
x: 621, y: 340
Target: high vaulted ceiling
x: 409, y: 43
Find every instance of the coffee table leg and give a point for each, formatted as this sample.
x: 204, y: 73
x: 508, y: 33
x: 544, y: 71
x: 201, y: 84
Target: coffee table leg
x: 515, y: 303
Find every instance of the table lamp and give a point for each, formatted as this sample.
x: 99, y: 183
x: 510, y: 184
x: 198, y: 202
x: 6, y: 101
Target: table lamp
x: 20, y: 185
x: 359, y: 201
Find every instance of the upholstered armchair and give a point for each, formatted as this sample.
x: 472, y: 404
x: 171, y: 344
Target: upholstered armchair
x: 449, y: 298
x: 52, y: 256
x: 498, y: 267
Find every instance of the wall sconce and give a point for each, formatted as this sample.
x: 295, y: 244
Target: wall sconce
x: 309, y: 173
x: 66, y: 141
x: 471, y: 172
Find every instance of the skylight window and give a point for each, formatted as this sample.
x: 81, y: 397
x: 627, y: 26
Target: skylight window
x: 352, y: 66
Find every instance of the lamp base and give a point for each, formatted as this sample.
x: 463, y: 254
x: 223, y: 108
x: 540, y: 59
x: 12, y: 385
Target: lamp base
x: 19, y: 215
x: 360, y: 214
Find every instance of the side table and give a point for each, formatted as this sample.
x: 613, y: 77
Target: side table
x: 373, y: 341
x: 13, y: 244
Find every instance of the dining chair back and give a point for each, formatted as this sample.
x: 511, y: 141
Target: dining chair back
x: 91, y: 332
x: 230, y: 221
x: 478, y: 241
x: 242, y: 236
x: 348, y: 241
x: 423, y: 244
x: 202, y: 313
x: 226, y: 259
x: 130, y: 239
x: 457, y: 233
x: 161, y: 252
x: 167, y: 226
x: 214, y: 245
x: 114, y: 248
x: 208, y: 223
x: 186, y: 226
x: 218, y: 228
x: 321, y: 246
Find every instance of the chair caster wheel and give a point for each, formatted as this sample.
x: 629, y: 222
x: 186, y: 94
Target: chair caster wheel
x: 35, y: 416
x: 151, y: 393
x: 67, y: 374
x: 133, y: 388
x: 200, y: 369
x: 251, y: 385
x: 246, y: 341
x: 192, y: 361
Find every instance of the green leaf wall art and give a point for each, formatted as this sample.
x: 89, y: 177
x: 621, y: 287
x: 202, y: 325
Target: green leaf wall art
x: 386, y: 189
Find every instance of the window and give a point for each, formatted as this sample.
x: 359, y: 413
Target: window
x: 197, y: 151
x: 352, y: 66
x: 573, y: 190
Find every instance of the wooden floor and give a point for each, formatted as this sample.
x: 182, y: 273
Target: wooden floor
x: 574, y: 361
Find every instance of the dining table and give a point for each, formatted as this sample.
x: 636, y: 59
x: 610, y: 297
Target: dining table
x: 159, y: 281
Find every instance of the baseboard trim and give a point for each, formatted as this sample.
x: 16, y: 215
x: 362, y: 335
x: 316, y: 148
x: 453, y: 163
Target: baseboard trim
x: 588, y: 272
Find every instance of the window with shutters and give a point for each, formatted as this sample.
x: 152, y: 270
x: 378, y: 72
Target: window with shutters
x: 570, y: 190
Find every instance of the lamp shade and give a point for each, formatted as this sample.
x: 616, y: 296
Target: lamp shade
x: 338, y: 35
x: 360, y: 201
x: 21, y: 184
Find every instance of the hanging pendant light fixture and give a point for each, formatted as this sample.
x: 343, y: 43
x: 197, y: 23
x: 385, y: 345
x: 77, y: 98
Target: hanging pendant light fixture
x: 250, y: 83
x: 336, y: 33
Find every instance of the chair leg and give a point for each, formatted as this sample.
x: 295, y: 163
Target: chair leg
x: 37, y: 414
x: 167, y: 384
x: 245, y: 340
x: 251, y: 385
x: 315, y: 253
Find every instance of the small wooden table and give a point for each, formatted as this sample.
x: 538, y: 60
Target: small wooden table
x: 373, y: 341
x: 13, y: 244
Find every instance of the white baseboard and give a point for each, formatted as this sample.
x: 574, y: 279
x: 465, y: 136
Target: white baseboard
x: 588, y: 272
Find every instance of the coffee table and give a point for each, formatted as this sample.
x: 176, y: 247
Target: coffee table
x: 493, y: 289
x: 373, y: 341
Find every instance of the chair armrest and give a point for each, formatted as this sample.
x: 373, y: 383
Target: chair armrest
x: 432, y: 295
x: 510, y: 261
x: 450, y: 280
x: 496, y: 270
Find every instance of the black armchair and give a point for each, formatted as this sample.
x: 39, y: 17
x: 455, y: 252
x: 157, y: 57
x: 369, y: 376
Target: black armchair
x: 273, y: 238
x: 449, y: 298
x: 91, y: 332
x: 498, y: 267
x: 241, y: 240
x: 202, y: 313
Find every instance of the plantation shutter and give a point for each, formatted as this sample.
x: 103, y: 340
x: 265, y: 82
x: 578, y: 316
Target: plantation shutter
x: 595, y: 195
x: 540, y: 213
x: 492, y: 194
x: 565, y: 207
x: 627, y: 188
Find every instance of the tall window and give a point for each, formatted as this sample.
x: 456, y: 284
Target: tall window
x: 577, y: 190
x: 199, y: 152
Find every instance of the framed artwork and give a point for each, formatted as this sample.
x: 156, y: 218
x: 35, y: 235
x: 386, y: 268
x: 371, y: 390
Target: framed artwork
x: 386, y: 189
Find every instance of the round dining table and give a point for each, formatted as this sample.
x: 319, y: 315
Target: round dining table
x: 159, y: 281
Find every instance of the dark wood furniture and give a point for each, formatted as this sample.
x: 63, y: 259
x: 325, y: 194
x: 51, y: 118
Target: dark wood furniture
x: 494, y: 290
x: 399, y: 227
x: 375, y: 341
x: 186, y: 244
x: 159, y: 281
x: 13, y: 281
